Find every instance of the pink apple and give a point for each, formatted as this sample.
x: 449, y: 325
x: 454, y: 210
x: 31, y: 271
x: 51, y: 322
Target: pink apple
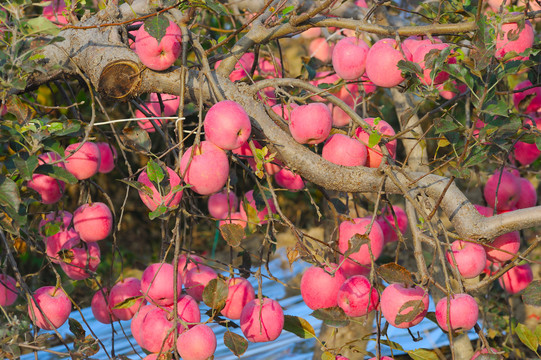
x: 100, y: 308
x: 289, y: 180
x: 198, y: 343
x: 450, y: 91
x: 508, y: 188
x: 242, y: 67
x: 351, y: 268
x: 49, y: 188
x: 53, y: 12
x: 170, y: 200
x: 397, y: 300
x: 157, y: 331
x: 8, y: 290
x: 375, y: 155
x: 359, y: 226
x: 227, y: 125
x: 80, y: 259
x: 196, y: 279
x: 382, y: 63
x: 528, y: 194
x: 343, y: 150
x: 349, y: 58
x: 223, y: 203
x: 128, y: 288
x: 263, y: 214
x: 137, y: 320
x: 107, y: 157
x: 85, y: 162
x: 262, y: 320
x: 533, y: 97
x: 284, y: 110
x: 170, y: 104
x: 157, y: 284
x: 507, y: 41
x: 504, y: 247
x: 419, y: 57
x: 319, y: 287
x: 160, y: 55
x: 240, y: 293
x: 310, y: 124
x: 526, y: 153
x: 60, y: 218
x: 188, y: 311
x: 388, y: 224
x: 463, y: 312
x: 321, y: 49
x: 54, y: 243
x: 311, y: 33
x: 412, y: 43
x: 205, y: 167
x: 55, y: 306
x: 483, y: 210
x: 470, y: 258
x: 517, y: 278
x: 146, y: 123
x: 187, y: 262
x: 381, y: 358
x: 357, y: 297
x: 93, y: 221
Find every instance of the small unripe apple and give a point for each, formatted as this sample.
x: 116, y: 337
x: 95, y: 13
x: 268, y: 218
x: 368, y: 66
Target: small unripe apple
x: 170, y: 199
x: 357, y: 297
x: 227, y: 125
x: 54, y: 303
x: 348, y: 229
x: 262, y: 320
x: 85, y: 162
x: 400, y: 301
x: 121, y: 291
x: 49, y: 188
x: 470, y: 258
x: 160, y: 55
x: 240, y: 293
x: 8, y: 290
x: 107, y: 157
x: 463, y: 312
x: 311, y: 123
x: 319, y: 288
x: 517, y: 278
x: 198, y: 343
x: 93, y: 222
x: 100, y: 308
x: 82, y: 258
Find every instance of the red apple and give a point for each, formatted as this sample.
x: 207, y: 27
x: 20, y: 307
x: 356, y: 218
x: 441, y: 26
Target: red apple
x: 359, y: 226
x: 310, y: 124
x: 470, y: 258
x: 319, y: 287
x: 196, y: 279
x: 54, y: 303
x: 223, y: 203
x: 388, y: 224
x: 504, y: 247
x: 463, y: 312
x: 528, y: 194
x: 375, y: 154
x: 227, y: 125
x: 8, y: 290
x: 100, y: 307
x: 507, y: 40
x: 85, y: 162
x: 80, y: 258
x: 357, y: 297
x: 398, y: 300
x: 107, y: 157
x: 508, y: 188
x: 517, y: 278
x: 262, y: 320
x: 289, y: 180
x: 93, y: 221
x: 533, y: 97
x: 160, y: 55
x: 343, y: 150
x: 127, y: 288
x: 158, y: 198
x: 54, y: 243
x: 49, y: 188
x: 240, y: 293
x: 157, y: 284
x: 382, y: 63
x: 349, y: 58
x: 198, y: 343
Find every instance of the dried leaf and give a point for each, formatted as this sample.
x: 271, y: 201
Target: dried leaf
x: 334, y: 316
x: 299, y: 327
x: 215, y: 293
x: 232, y: 234
x: 394, y: 273
x: 236, y: 343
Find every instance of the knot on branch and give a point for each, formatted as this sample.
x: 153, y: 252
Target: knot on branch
x: 120, y: 80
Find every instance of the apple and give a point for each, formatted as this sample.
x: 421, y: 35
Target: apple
x: 242, y: 67
x: 319, y: 287
x: 504, y: 247
x: 351, y: 268
x: 262, y: 320
x: 240, y: 293
x: 381, y: 358
x: 375, y: 154
x: 188, y: 311
x: 54, y: 304
x: 223, y: 203
x: 262, y: 214
x: 205, y: 167
x: 398, y: 300
x: 170, y: 104
x: 507, y: 40
x: 100, y: 307
x: 517, y: 278
x: 187, y: 262
x: 382, y: 63
x: 289, y: 180
x: 528, y: 194
x: 85, y: 162
x: 93, y: 221
x: 137, y: 320
x: 463, y: 312
x: 533, y: 97
x: 60, y: 218
x: 157, y: 198
x: 357, y: 297
x: 50, y: 189
x: 157, y: 331
x: 311, y: 123
x: 157, y: 284
x: 54, y: 243
x: 483, y: 210
x: 125, y: 289
x: 508, y: 188
x: 388, y: 225
x: 344, y: 150
x: 160, y: 55
x: 412, y: 43
x: 419, y: 57
x: 81, y: 258
x: 227, y: 125
x: 526, y: 153
x: 470, y: 258
x: 349, y: 58
x: 348, y: 229
x: 107, y: 157
x: 450, y: 91
x: 196, y: 279
x: 321, y: 49
x: 53, y: 12
x: 198, y: 343
x: 284, y: 110
x: 8, y: 290
x: 311, y: 33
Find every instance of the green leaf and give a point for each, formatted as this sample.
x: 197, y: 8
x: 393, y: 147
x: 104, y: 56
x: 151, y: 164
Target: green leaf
x: 423, y: 354
x: 410, y: 67
x: 374, y: 139
x: 76, y: 329
x: 394, y: 273
x: 299, y: 327
x: 42, y: 25
x: 56, y: 172
x: 532, y: 294
x: 156, y: 26
x: 129, y: 302
x: 232, y: 234
x: 527, y: 337
x: 160, y: 210
x: 538, y: 333
x: 334, y: 316
x: 236, y: 343
x: 287, y: 10
x: 393, y: 345
x: 215, y: 294
x: 26, y: 167
x: 154, y: 172
x: 9, y: 193
x: 500, y: 109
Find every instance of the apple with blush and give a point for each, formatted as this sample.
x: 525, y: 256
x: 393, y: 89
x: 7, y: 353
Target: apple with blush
x: 289, y: 180
x: 470, y: 258
x: 351, y: 268
x: 508, y: 188
x: 160, y: 55
x: 198, y: 343
x: 125, y: 289
x: 382, y: 63
x: 137, y: 320
x: 375, y: 155
x: 93, y: 222
x: 54, y: 243
x: 108, y: 157
x: 188, y: 311
x: 504, y: 247
x: 517, y: 278
x: 196, y: 279
x: 100, y: 307
x: 79, y: 258
x: 463, y: 312
x: 240, y: 293
x: 157, y: 284
x: 320, y: 49
x: 509, y: 41
x: 349, y: 58
x: 319, y: 287
x: 357, y: 297
x: 262, y: 214
x: 528, y: 194
x: 83, y: 161
x: 187, y: 262
x: 389, y: 225
x: 311, y: 123
x: 156, y: 332
x: 223, y: 203
x: 50, y: 189
x: 227, y: 125
x: 55, y: 307
x: 262, y: 320
x: 359, y: 226
x: 343, y: 150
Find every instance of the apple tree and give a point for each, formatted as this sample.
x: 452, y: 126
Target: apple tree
x: 408, y: 132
